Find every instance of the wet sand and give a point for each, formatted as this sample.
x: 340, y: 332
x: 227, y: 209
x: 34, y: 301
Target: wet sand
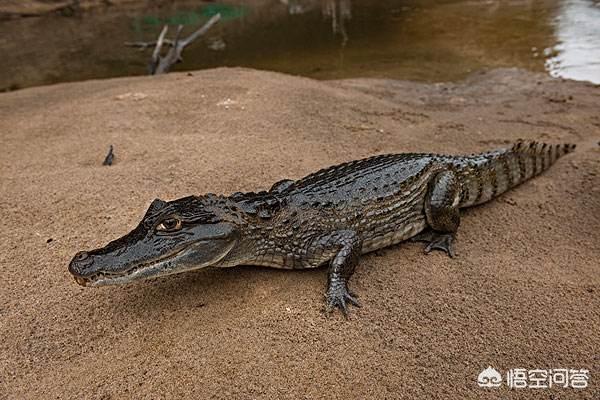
x: 522, y: 293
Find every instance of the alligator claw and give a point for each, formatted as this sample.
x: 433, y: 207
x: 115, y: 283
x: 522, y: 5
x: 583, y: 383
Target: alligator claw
x: 338, y: 297
x: 437, y: 241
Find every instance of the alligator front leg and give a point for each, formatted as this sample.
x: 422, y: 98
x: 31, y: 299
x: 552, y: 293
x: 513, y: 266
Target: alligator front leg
x: 441, y: 210
x: 346, y: 246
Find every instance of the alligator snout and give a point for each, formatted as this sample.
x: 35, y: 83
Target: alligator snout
x: 79, y: 264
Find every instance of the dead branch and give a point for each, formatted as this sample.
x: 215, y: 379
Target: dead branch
x: 146, y: 45
x: 162, y: 65
x: 156, y: 53
x: 215, y: 18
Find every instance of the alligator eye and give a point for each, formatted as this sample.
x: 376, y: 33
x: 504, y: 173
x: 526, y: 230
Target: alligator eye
x: 169, y: 225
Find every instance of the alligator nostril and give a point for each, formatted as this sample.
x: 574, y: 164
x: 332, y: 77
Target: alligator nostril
x: 82, y: 255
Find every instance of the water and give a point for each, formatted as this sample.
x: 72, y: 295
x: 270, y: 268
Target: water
x: 325, y: 39
x: 576, y: 55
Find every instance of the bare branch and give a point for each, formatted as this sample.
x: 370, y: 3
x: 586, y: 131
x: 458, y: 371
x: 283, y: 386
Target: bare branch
x: 159, y: 43
x: 172, y: 57
x: 185, y: 42
x: 161, y: 65
x: 145, y: 45
x: 156, y: 59
x: 177, y: 35
x: 214, y: 19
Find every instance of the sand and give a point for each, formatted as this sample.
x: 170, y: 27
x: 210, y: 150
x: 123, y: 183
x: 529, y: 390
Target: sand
x: 523, y: 292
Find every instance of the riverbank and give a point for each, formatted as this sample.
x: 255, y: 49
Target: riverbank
x: 522, y: 292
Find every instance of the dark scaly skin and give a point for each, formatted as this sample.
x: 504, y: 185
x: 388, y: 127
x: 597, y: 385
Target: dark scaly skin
x: 329, y: 217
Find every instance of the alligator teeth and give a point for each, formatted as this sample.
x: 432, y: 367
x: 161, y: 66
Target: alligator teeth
x: 80, y: 280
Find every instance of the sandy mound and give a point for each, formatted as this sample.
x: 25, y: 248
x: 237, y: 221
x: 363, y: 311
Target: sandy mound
x: 522, y: 293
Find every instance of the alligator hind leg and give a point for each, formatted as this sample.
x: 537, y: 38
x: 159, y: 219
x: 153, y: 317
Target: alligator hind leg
x: 441, y: 210
x: 437, y: 241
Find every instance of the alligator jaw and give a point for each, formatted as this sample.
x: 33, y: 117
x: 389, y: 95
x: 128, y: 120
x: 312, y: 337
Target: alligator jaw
x: 164, y: 266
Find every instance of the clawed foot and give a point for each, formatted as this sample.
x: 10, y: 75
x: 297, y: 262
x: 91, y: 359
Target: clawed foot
x: 437, y: 241
x: 337, y: 297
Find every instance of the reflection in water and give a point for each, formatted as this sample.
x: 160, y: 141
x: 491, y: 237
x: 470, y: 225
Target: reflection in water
x: 339, y: 11
x: 296, y: 6
x: 323, y: 39
x: 577, y: 53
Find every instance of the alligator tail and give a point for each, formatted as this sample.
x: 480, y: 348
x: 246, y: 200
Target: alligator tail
x: 487, y: 175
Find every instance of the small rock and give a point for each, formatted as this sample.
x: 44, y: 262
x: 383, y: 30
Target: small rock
x: 136, y: 96
x: 226, y: 103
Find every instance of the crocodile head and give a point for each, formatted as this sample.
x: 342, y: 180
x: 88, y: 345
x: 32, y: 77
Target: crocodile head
x: 177, y: 236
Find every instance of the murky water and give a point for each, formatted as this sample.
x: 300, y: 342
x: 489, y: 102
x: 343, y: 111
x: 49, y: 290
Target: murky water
x: 323, y: 39
x: 576, y: 54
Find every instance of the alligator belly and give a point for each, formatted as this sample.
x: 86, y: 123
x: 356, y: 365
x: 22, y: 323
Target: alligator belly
x: 374, y: 242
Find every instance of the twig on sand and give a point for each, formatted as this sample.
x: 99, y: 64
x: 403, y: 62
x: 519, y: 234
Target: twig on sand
x: 162, y: 65
x: 108, y: 160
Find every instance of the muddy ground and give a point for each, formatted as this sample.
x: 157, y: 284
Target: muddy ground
x: 524, y: 291
x: 28, y: 8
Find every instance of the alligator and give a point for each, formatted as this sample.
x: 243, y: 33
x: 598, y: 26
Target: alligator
x: 332, y: 216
